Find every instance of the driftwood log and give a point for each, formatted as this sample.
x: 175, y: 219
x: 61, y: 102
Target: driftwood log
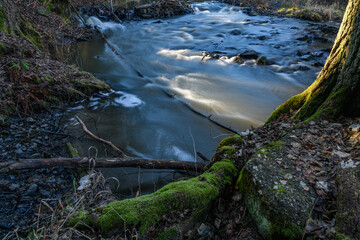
x: 121, y: 161
x: 125, y: 161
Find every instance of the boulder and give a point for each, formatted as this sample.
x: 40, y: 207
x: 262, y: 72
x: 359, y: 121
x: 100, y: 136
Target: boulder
x: 347, y: 204
x: 262, y: 61
x: 249, y: 54
x: 279, y: 199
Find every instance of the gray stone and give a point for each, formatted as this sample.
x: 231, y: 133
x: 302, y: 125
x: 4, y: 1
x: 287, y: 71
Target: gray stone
x: 262, y: 61
x: 347, y: 204
x: 355, y: 128
x: 249, y: 54
x: 235, y: 32
x: 19, y: 151
x: 279, y: 207
x: 203, y: 230
x: 32, y: 189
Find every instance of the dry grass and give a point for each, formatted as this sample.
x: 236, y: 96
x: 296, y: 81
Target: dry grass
x: 316, y: 10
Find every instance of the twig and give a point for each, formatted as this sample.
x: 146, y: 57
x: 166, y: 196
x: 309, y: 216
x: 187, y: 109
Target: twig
x: 120, y: 153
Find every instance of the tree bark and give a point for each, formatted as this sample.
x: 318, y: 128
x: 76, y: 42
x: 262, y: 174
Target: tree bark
x: 101, y: 163
x: 335, y: 91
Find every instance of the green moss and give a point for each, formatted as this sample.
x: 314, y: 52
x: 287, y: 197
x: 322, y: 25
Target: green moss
x: 195, y: 193
x: 36, y: 79
x: 340, y: 236
x: 236, y: 139
x: 49, y: 79
x: 30, y: 34
x: 270, y: 147
x: 293, y: 103
x: 2, y: 19
x: 168, y: 234
x: 270, y: 225
x: 227, y: 150
x: 78, y: 218
x: 71, y: 151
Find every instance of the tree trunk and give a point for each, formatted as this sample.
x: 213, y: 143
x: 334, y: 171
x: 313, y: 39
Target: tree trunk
x: 335, y: 92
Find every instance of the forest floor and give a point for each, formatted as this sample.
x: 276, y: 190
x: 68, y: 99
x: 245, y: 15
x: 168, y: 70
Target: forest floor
x: 34, y: 84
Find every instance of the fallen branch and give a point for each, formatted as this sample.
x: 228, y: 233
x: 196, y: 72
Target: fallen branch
x: 125, y: 161
x: 121, y: 154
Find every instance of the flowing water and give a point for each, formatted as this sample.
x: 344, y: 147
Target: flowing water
x: 138, y: 117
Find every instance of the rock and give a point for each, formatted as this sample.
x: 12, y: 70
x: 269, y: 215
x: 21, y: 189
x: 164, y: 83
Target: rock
x: 347, y: 204
x: 235, y: 32
x: 238, y: 60
x: 44, y: 193
x: 217, y: 223
x: 3, y: 119
x: 263, y: 37
x: 19, y: 151
x: 14, y: 186
x: 32, y: 189
x: 43, y: 12
x: 203, y: 230
x: 355, y: 128
x: 249, y: 54
x: 304, y: 38
x: 317, y: 64
x: 279, y: 210
x: 262, y: 61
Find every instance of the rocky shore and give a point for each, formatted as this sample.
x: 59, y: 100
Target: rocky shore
x: 25, y: 194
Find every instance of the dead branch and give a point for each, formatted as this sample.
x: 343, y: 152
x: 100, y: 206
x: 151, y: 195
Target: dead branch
x: 124, y: 161
x: 121, y: 154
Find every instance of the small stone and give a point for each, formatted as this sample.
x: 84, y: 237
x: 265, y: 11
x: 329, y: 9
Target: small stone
x: 342, y: 154
x: 245, y: 133
x: 235, y: 32
x: 275, y: 187
x: 296, y: 145
x: 355, y: 128
x: 14, y: 186
x: 304, y: 186
x: 30, y: 120
x: 44, y: 193
x: 217, y: 223
x: 322, y: 185
x: 203, y: 230
x: 288, y: 176
x: 249, y: 54
x: 312, y: 122
x: 19, y: 151
x: 32, y: 189
x: 262, y: 61
x: 283, y: 182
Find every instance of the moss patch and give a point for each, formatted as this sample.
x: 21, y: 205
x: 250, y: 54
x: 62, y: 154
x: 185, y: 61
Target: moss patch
x: 195, y: 193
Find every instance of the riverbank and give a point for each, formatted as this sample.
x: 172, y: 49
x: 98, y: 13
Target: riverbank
x: 35, y: 86
x: 37, y: 83
x: 314, y: 10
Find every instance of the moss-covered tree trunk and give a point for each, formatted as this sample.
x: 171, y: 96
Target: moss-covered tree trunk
x: 335, y: 92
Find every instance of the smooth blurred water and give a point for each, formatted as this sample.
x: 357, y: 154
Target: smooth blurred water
x: 138, y: 117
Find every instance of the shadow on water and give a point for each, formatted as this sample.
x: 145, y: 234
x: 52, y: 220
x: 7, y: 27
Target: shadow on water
x: 139, y: 118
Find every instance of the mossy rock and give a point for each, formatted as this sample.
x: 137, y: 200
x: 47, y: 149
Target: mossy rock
x: 347, y: 203
x: 273, y: 193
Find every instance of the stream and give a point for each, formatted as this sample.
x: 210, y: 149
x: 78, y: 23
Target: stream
x: 171, y: 55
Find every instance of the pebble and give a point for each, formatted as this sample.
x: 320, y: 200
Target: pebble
x: 203, y: 230
x: 14, y: 186
x: 32, y: 189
